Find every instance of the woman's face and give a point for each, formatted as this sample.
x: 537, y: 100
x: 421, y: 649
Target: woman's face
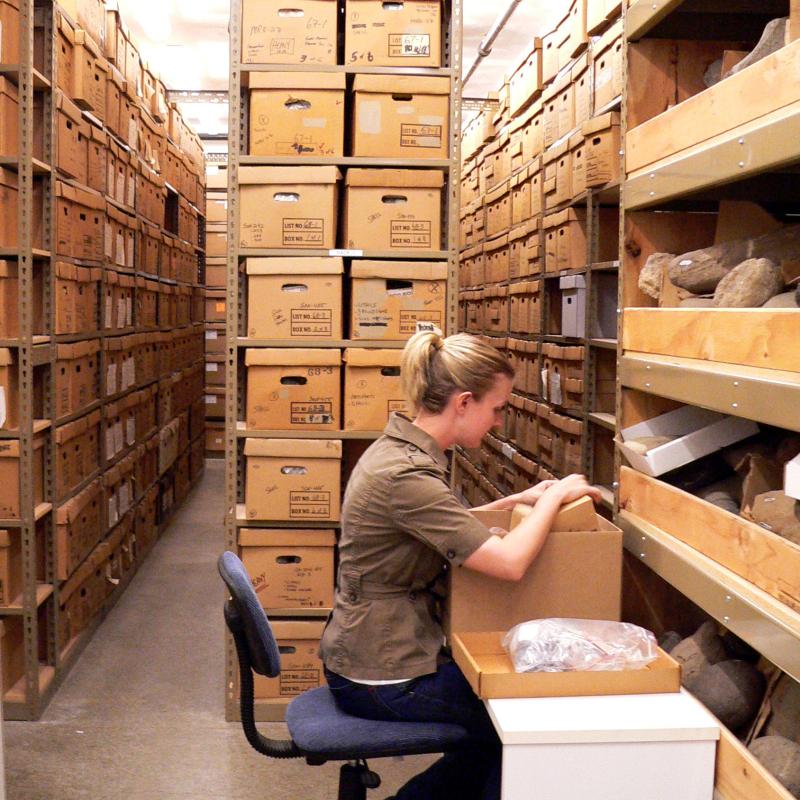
x: 478, y: 417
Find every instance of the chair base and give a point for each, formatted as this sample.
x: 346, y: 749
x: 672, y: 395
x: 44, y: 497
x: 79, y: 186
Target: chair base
x: 354, y: 780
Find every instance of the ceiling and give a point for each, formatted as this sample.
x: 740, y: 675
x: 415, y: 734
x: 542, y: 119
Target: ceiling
x: 186, y: 41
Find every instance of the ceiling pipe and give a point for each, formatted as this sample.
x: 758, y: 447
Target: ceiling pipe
x: 485, y: 47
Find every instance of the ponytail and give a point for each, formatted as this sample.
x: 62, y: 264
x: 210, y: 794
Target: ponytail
x: 433, y: 368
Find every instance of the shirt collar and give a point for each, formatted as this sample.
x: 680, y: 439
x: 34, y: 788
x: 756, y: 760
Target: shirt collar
x: 401, y: 427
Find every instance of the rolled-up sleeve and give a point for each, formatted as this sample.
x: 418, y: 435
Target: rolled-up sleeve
x: 423, y: 506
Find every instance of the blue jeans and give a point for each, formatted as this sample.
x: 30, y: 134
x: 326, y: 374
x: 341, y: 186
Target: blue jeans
x: 443, y: 696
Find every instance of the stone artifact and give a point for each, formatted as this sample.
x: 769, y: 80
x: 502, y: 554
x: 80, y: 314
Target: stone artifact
x: 749, y: 284
x: 652, y: 274
x: 772, y: 39
x: 698, y: 651
x: 699, y: 271
x: 731, y: 690
x: 784, y: 300
x: 782, y: 758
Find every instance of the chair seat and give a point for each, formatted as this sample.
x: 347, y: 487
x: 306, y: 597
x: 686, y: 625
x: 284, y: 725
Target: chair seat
x: 318, y: 727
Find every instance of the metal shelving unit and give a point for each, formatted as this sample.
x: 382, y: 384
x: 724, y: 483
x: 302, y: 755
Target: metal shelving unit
x: 236, y: 342
x: 47, y: 658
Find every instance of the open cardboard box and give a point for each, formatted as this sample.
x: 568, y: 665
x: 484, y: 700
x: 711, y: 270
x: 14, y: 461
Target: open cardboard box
x: 577, y: 575
x: 699, y: 432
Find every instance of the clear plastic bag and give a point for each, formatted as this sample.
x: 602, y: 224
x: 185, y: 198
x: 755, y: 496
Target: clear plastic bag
x: 563, y: 645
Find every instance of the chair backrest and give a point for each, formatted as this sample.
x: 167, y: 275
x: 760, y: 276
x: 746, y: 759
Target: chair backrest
x: 264, y: 654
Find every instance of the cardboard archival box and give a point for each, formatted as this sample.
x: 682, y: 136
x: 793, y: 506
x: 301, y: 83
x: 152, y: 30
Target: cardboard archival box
x: 401, y: 116
x: 697, y: 433
x: 561, y: 582
x: 288, y: 207
x: 297, y: 113
x: 301, y: 666
x: 293, y: 479
x: 393, y: 209
x: 294, y: 298
x: 10, y: 566
x: 293, y: 389
x: 304, y: 33
x: 603, y: 161
x: 290, y: 569
x: 10, y: 472
x: 380, y: 34
x: 577, y: 574
x: 372, y: 389
x: 392, y: 299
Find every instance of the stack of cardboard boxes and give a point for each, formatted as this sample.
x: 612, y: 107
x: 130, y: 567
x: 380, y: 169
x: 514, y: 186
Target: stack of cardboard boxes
x: 118, y: 405
x: 344, y: 255
x: 534, y: 165
x: 215, y: 308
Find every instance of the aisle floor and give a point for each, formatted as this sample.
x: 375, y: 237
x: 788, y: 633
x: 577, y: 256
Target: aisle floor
x: 141, y: 714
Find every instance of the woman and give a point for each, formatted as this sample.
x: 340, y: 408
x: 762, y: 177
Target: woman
x: 402, y: 528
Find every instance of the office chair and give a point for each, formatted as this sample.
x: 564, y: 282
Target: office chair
x: 319, y: 731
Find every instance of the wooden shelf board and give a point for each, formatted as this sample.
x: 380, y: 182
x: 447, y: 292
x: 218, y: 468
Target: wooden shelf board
x: 12, y: 162
x: 605, y: 266
x: 758, y: 146
x: 763, y: 395
x: 347, y: 69
x: 13, y: 252
x: 762, y: 621
x: 606, y: 496
x: 12, y: 71
x: 603, y: 419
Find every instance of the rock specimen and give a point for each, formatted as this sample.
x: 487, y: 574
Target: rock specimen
x: 698, y: 651
x: 785, y: 702
x: 772, y: 39
x: 697, y: 302
x: 652, y: 274
x: 784, y: 300
x: 731, y: 690
x: 749, y: 284
x: 669, y: 640
x: 782, y: 758
x: 699, y: 271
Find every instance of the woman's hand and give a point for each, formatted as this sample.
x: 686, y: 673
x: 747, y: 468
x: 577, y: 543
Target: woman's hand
x: 573, y: 487
x: 530, y: 496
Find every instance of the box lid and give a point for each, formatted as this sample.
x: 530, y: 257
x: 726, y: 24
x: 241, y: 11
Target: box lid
x: 6, y: 357
x: 607, y: 39
x: 294, y: 448
x: 295, y: 266
x: 496, y: 244
x: 400, y: 270
x: 291, y: 357
x: 361, y: 357
x: 288, y: 175
x: 601, y: 123
x: 496, y: 194
x: 280, y: 537
x: 581, y: 65
x: 9, y: 89
x: 576, y: 140
x: 401, y: 84
x: 572, y: 282
x: 289, y: 630
x: 555, y: 152
x: 391, y: 178
x: 297, y: 80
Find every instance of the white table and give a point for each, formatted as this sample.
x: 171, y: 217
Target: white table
x: 621, y: 747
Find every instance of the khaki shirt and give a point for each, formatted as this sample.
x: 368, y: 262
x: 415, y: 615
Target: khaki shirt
x: 401, y: 526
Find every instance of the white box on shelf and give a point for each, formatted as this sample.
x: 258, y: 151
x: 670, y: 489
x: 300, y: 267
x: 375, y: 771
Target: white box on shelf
x: 573, y: 305
x: 791, y: 478
x: 699, y: 433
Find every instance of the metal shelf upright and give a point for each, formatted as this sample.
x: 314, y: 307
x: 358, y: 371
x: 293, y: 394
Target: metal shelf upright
x: 235, y: 287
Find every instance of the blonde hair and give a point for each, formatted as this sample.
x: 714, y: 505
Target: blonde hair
x: 433, y: 368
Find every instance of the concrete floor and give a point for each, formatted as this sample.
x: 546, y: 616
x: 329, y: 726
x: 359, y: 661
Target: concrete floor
x: 141, y: 715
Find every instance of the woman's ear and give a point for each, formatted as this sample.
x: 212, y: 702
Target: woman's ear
x: 462, y: 400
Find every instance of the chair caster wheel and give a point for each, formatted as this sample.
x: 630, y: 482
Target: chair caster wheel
x: 371, y: 779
